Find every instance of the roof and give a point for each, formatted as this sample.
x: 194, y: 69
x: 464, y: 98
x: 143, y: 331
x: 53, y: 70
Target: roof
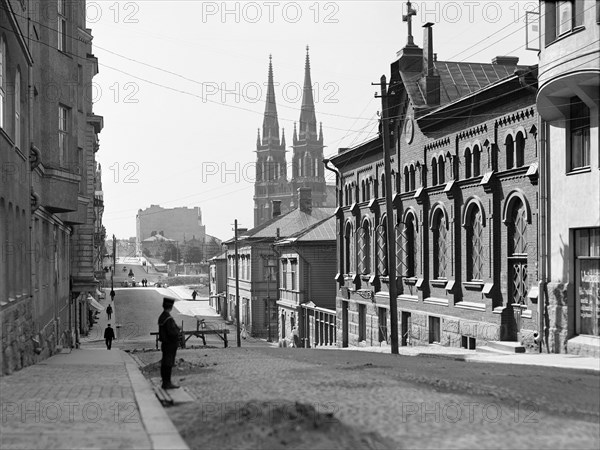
x: 457, y: 79
x: 325, y: 230
x: 288, y: 224
x: 158, y: 237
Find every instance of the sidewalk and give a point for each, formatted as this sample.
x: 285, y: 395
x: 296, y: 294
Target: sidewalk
x: 531, y: 359
x: 89, y: 398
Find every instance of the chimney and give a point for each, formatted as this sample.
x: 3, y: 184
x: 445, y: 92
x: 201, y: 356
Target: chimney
x: 276, y: 208
x: 305, y: 200
x: 430, y: 80
x: 505, y: 60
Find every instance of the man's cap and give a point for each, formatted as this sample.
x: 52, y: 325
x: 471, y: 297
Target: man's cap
x: 168, y: 302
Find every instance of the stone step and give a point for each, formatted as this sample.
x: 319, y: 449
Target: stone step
x: 505, y: 346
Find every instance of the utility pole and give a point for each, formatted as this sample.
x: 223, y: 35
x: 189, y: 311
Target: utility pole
x: 112, y: 273
x: 237, y: 288
x: 391, y: 235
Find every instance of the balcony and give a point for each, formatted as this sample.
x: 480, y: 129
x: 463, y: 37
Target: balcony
x: 59, y: 190
x: 80, y: 215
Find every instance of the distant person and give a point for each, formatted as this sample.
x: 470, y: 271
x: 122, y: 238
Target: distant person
x: 109, y: 311
x: 168, y: 334
x: 296, y: 337
x: 109, y: 335
x: 194, y: 295
x: 131, y: 274
x: 112, y: 295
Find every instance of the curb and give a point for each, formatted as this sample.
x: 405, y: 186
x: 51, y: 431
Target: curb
x: 161, y: 431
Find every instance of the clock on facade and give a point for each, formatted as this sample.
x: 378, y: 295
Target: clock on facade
x: 409, y: 129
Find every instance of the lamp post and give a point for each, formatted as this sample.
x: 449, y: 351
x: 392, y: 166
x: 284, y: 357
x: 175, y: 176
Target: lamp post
x: 112, y: 272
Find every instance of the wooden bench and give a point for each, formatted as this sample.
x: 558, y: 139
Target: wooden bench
x: 202, y: 329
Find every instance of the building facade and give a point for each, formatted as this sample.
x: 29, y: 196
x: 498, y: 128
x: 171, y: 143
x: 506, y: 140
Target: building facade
x: 464, y: 158
x: 273, y: 182
x: 48, y: 140
x: 217, y: 284
x: 568, y: 101
x: 307, y: 267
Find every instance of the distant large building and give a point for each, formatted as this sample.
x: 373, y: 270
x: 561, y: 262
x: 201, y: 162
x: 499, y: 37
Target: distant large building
x: 274, y: 192
x: 182, y: 226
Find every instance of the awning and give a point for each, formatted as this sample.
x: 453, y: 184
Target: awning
x: 94, y: 304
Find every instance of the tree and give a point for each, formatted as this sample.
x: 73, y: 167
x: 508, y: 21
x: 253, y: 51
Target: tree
x: 170, y: 253
x: 193, y: 255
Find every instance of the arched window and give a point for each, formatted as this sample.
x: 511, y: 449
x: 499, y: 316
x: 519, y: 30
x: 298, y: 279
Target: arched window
x: 349, y: 249
x: 510, y: 151
x: 517, y: 253
x: 434, y: 172
x: 368, y: 184
x: 364, y: 190
x: 476, y: 161
x: 468, y: 163
x: 2, y: 81
x: 364, y: 247
x: 410, y: 232
x: 475, y: 245
x: 412, y: 178
x: 18, y: 109
x: 442, y: 170
x: 440, y: 233
x: 307, y: 165
x: 406, y: 180
x: 382, y: 248
x: 259, y: 171
x: 383, y: 185
x: 520, y: 150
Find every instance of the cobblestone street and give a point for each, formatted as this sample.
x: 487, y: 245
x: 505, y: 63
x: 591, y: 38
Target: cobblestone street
x: 378, y: 393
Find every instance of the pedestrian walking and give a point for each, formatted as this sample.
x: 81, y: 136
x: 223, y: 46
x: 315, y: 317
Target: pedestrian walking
x: 168, y: 334
x: 296, y: 337
x: 109, y: 335
x: 244, y: 333
x: 112, y: 295
x: 194, y: 295
x: 109, y: 311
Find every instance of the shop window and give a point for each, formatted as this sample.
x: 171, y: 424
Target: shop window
x: 587, y: 280
x: 579, y: 134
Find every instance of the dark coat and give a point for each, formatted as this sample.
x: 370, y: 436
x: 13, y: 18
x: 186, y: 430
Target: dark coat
x: 109, y: 333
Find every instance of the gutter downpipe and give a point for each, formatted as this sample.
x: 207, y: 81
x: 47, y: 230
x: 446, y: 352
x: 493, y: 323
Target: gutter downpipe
x: 544, y: 244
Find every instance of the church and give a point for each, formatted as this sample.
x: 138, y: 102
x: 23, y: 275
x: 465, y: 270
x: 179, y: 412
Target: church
x: 275, y: 191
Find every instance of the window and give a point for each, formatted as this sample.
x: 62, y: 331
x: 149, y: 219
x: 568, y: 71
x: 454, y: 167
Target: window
x: 18, y: 109
x: 293, y: 275
x: 468, y: 162
x: 63, y: 134
x: 434, y: 172
x: 406, y: 181
x: 579, y: 134
x: 412, y: 178
x: 284, y: 272
x: 442, y: 170
x: 364, y: 249
x: 517, y: 253
x: 382, y: 248
x: 475, y: 246
x: 62, y: 25
x: 411, y: 245
x: 382, y: 319
x: 2, y: 80
x: 362, y: 322
x: 349, y: 249
x: 587, y: 280
x: 562, y: 17
x: 510, y: 151
x: 383, y: 185
x: 519, y: 158
x: 476, y: 161
x: 440, y: 232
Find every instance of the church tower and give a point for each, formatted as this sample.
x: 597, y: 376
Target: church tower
x: 272, y: 191
x: 307, y: 164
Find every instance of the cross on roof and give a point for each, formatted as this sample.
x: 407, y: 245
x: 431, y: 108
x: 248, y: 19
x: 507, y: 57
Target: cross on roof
x: 410, y: 11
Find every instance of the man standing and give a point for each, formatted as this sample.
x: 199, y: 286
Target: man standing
x: 109, y: 311
x: 109, y: 335
x: 194, y: 294
x: 168, y: 333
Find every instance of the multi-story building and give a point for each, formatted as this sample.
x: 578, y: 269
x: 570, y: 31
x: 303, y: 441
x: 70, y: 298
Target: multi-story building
x: 257, y: 264
x: 568, y: 101
x: 272, y: 180
x: 48, y: 139
x: 463, y: 151
x: 217, y: 284
x: 307, y: 268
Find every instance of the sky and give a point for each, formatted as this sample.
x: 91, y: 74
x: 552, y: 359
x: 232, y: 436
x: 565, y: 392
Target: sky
x: 182, y: 87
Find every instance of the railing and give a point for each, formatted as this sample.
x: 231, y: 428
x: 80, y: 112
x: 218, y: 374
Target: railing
x: 319, y: 326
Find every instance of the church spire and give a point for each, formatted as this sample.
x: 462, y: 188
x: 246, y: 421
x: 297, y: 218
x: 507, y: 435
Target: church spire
x: 308, y: 121
x: 270, y: 122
